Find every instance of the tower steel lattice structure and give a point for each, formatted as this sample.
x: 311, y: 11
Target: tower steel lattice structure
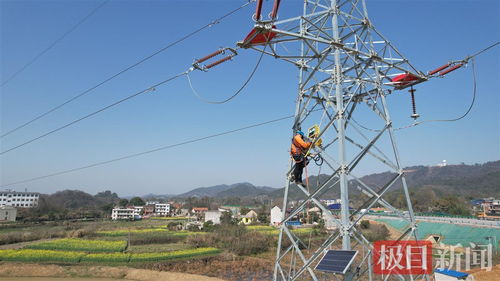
x: 346, y: 71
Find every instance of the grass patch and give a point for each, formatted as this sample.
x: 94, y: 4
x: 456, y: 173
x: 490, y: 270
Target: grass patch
x: 260, y: 227
x: 157, y: 248
x: 169, y: 218
x: 106, y: 257
x: 155, y: 257
x: 149, y: 231
x: 123, y: 232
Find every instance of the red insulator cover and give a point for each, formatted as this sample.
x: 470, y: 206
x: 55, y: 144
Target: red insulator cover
x: 450, y: 69
x: 210, y: 56
x: 438, y: 69
x: 275, y: 9
x: 404, y: 79
x: 259, y: 38
x: 258, y: 10
x: 218, y: 62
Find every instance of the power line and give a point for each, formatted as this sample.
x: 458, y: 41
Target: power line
x: 237, y: 92
x: 152, y: 150
x: 474, y: 94
x: 152, y: 88
x: 212, y: 23
x: 484, y: 50
x: 73, y: 28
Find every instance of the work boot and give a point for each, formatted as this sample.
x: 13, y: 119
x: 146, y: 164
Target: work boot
x: 300, y: 183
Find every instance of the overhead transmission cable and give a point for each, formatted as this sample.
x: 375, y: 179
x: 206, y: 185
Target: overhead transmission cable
x: 149, y: 89
x: 153, y: 150
x: 484, y: 50
x: 146, y: 90
x: 212, y: 23
x: 53, y: 44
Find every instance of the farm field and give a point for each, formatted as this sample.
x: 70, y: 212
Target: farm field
x: 149, y: 244
x: 74, y: 244
x: 32, y: 255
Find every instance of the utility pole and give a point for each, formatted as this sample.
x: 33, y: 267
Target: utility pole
x: 347, y: 68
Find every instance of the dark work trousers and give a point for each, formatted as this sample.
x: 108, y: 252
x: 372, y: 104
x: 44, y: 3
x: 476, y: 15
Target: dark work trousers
x: 297, y: 171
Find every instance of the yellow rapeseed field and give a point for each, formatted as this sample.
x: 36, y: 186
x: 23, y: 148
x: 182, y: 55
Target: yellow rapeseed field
x: 29, y: 255
x: 75, y: 244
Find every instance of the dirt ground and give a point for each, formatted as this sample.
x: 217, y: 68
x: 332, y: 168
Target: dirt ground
x: 393, y: 233
x: 483, y: 275
x: 38, y: 270
x: 56, y: 271
x: 55, y: 279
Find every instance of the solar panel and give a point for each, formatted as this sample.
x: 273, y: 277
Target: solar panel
x: 336, y: 261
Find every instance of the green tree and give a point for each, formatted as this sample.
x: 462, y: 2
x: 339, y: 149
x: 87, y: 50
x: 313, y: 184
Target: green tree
x: 226, y: 218
x: 137, y: 201
x: 107, y: 208
x: 263, y: 218
x: 364, y: 224
x: 208, y: 226
x: 452, y: 205
x: 123, y: 202
x: 244, y: 210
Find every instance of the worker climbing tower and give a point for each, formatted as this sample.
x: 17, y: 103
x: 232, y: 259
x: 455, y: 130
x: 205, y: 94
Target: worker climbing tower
x: 347, y: 69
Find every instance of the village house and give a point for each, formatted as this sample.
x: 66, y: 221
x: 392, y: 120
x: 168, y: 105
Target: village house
x: 213, y: 216
x: 148, y: 210
x: 183, y: 212
x: 276, y: 215
x: 249, y: 217
x: 138, y: 210
x: 19, y: 199
x: 235, y: 210
x: 8, y: 213
x: 198, y: 211
x: 122, y: 214
x: 162, y: 209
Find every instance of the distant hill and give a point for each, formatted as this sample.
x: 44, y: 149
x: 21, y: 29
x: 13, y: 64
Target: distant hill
x: 76, y: 199
x: 205, y: 191
x: 425, y: 182
x: 224, y: 191
x: 244, y: 190
x: 469, y: 181
x: 478, y: 180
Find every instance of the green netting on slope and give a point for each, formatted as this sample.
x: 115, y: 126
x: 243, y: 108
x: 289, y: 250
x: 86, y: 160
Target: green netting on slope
x: 400, y: 225
x: 450, y: 234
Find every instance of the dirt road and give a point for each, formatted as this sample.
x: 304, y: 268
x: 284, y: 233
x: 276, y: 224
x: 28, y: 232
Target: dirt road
x: 39, y: 270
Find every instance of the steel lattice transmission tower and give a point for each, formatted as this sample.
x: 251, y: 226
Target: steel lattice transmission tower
x: 346, y: 71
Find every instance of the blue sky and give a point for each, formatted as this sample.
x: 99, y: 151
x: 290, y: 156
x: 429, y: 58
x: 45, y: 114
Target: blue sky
x: 428, y: 33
